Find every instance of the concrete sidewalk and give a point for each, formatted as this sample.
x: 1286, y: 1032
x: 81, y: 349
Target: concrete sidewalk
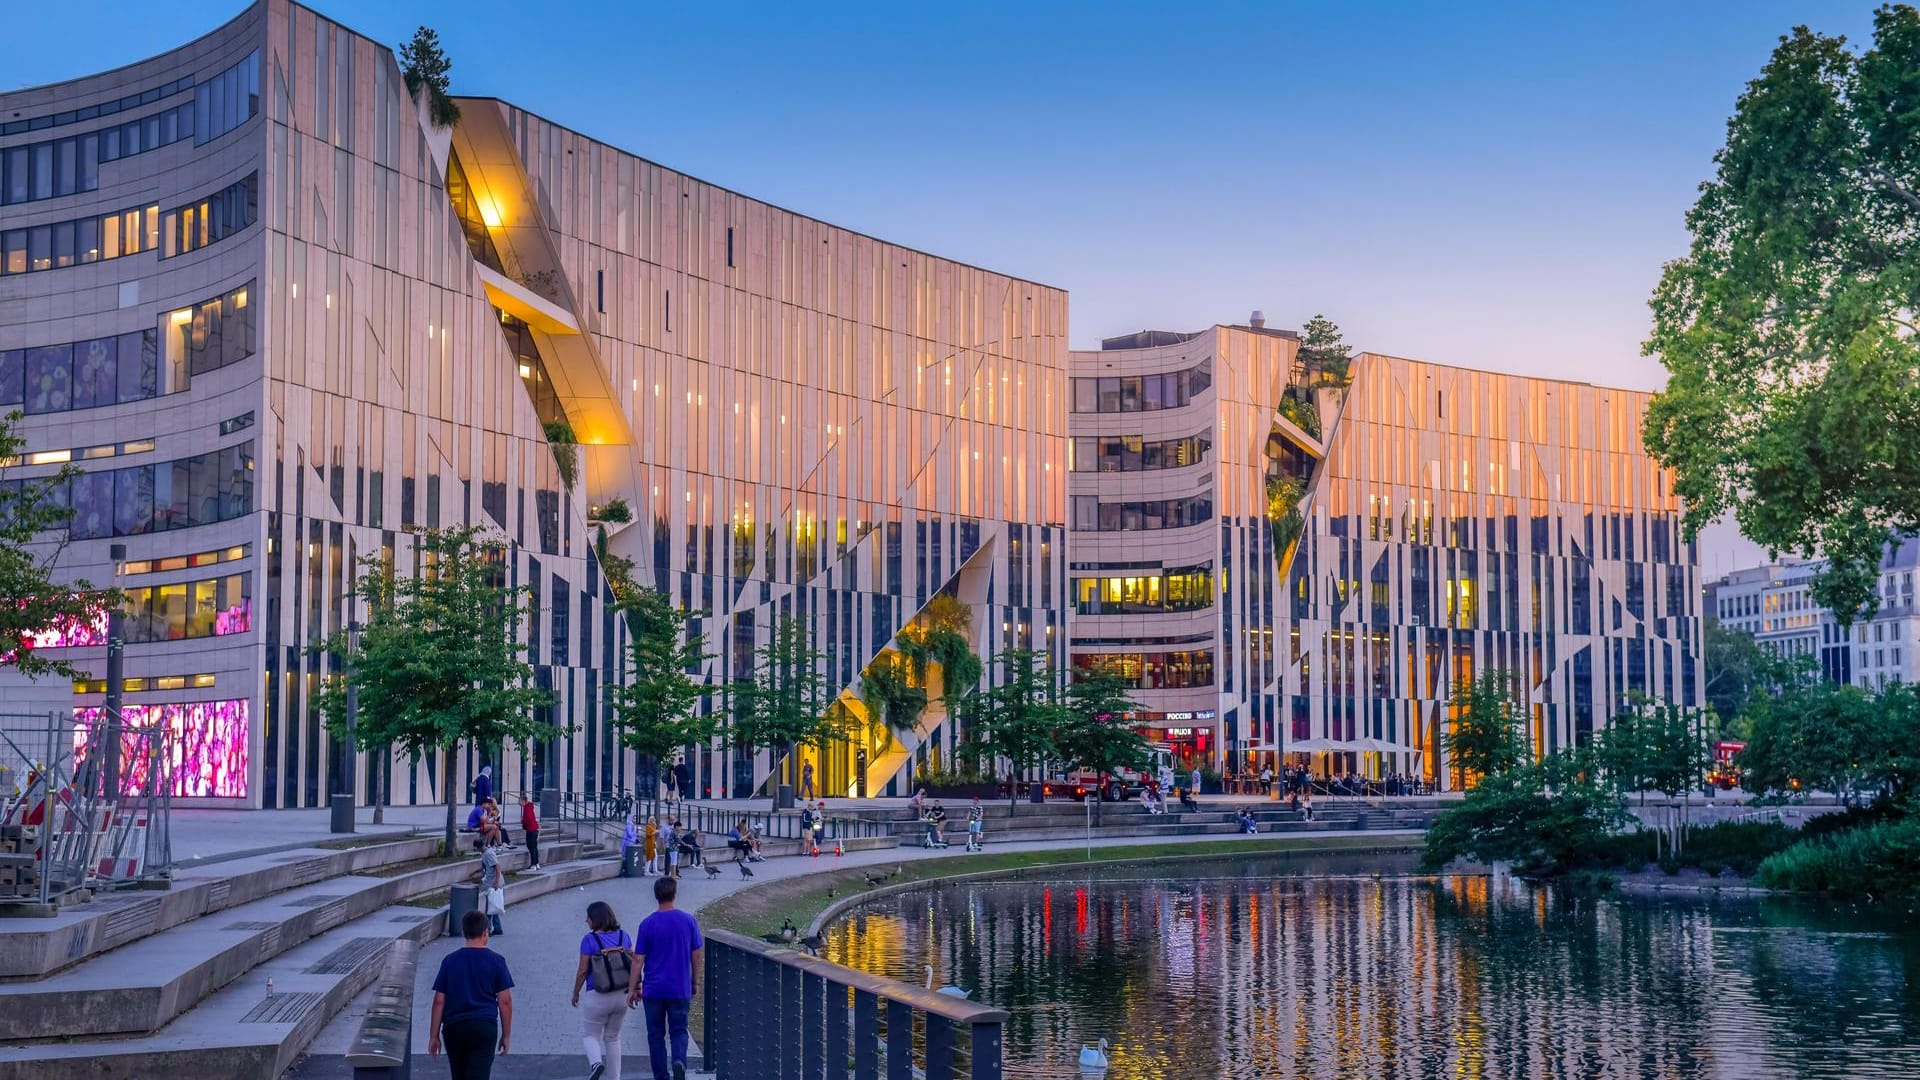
x: 541, y: 946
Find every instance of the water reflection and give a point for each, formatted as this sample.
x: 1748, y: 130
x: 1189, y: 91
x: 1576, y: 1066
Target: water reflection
x: 1314, y: 970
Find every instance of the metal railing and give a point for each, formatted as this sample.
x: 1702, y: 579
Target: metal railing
x: 713, y: 820
x: 773, y: 1012
x: 61, y: 830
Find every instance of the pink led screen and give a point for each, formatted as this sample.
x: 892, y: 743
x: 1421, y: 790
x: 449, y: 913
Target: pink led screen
x: 208, y: 745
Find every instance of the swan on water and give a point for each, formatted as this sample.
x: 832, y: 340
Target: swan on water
x: 950, y: 991
x: 1094, y: 1058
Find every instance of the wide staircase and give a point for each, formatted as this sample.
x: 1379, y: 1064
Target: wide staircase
x: 232, y: 970
x: 1070, y: 820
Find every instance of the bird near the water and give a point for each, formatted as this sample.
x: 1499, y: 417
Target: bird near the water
x: 1092, y: 1057
x: 712, y: 871
x: 745, y: 870
x: 950, y: 991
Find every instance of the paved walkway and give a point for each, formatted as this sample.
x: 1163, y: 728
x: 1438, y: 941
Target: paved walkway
x: 541, y: 947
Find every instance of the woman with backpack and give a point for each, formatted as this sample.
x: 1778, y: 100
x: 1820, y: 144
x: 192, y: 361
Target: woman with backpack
x: 606, y: 967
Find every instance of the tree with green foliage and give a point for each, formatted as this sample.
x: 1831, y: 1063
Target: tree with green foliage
x: 440, y: 660
x: 1819, y: 736
x: 783, y: 703
x: 654, y: 712
x: 1737, y: 671
x: 1097, y: 732
x: 1020, y: 716
x: 424, y: 65
x: 891, y: 692
x: 1483, y: 738
x: 1657, y: 746
x: 1543, y: 818
x: 1324, y: 356
x: 34, y: 515
x: 1788, y: 329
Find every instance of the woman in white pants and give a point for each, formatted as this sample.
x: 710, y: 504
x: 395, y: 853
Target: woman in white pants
x: 605, y: 1010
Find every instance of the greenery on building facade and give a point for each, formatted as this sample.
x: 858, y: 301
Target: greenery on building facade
x: 440, y: 661
x: 655, y: 710
x: 424, y: 65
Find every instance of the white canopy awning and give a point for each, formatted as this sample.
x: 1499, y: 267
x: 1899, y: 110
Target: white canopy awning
x: 1382, y: 746
x: 1320, y: 746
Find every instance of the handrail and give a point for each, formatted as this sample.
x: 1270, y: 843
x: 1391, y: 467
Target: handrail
x: 768, y: 1008
x: 714, y: 820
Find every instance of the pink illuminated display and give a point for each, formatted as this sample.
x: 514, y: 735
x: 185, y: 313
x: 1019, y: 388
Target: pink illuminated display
x: 208, y: 745
x: 71, y: 633
x: 237, y: 619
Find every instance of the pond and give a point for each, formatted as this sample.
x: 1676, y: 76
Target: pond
x: 1354, y: 967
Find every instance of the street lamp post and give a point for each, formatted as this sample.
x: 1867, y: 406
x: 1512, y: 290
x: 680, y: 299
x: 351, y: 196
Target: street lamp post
x: 345, y: 770
x: 116, y: 664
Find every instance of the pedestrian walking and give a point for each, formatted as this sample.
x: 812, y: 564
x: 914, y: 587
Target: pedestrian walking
x: 670, y: 842
x: 683, y: 773
x: 493, y: 892
x: 530, y: 824
x: 606, y: 971
x: 976, y: 825
x: 650, y: 845
x: 806, y: 780
x: 1193, y: 786
x: 483, y: 785
x: 673, y: 783
x: 472, y: 1004
x: 668, y: 944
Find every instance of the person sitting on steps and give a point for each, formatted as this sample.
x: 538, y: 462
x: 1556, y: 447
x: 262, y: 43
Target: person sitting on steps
x: 1187, y: 801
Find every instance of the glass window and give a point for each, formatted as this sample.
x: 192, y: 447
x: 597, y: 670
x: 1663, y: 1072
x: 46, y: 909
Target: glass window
x: 42, y: 170
x: 203, y: 489
x: 40, y: 247
x: 13, y: 370
x: 89, y: 162
x: 110, y: 144
x: 1109, y: 394
x: 170, y: 611
x: 133, y: 500
x: 18, y: 172
x: 63, y: 244
x: 13, y: 243
x: 1130, y: 393
x: 86, y: 240
x: 1086, y: 395
x: 95, y: 372
x: 92, y: 494
x: 49, y: 379
x: 138, y: 365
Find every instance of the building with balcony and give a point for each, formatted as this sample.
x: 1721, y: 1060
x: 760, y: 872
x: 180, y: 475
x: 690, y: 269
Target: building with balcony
x: 278, y: 318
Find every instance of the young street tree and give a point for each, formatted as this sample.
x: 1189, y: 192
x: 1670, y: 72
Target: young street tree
x: 1484, y: 739
x: 31, y: 601
x: 654, y: 711
x: 1095, y: 732
x: 1656, y: 747
x: 1018, y: 718
x: 1324, y: 355
x: 784, y: 703
x: 1788, y: 328
x: 439, y: 661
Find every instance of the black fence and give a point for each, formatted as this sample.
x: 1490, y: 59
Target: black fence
x: 776, y: 1014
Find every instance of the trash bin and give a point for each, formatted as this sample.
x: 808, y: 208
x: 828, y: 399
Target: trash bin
x: 342, y: 813
x: 633, y: 861
x: 462, y: 899
x: 1037, y: 792
x: 783, y: 797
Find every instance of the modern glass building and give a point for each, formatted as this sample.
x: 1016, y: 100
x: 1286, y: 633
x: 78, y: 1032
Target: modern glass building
x: 1172, y: 557
x: 278, y: 319
x: 1465, y: 521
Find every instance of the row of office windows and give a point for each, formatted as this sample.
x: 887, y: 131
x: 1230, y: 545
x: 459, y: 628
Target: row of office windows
x: 200, y: 490
x: 1092, y: 515
x: 133, y: 366
x: 1155, y: 670
x: 94, y: 112
x: 69, y: 166
x: 1141, y: 393
x: 129, y: 232
x: 1188, y: 588
x: 1134, y: 453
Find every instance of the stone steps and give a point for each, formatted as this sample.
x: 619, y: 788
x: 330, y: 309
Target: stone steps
x: 238, y: 1031
x: 139, y: 987
x: 32, y: 948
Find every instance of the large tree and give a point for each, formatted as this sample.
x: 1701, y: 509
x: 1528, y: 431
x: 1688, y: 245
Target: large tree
x: 1737, y: 671
x: 440, y: 661
x: 1544, y: 818
x: 1020, y: 715
x: 783, y: 704
x: 1097, y: 732
x: 1788, y: 328
x: 654, y: 711
x: 1483, y: 738
x: 33, y: 522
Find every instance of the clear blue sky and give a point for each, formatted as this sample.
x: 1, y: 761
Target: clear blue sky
x: 1492, y: 184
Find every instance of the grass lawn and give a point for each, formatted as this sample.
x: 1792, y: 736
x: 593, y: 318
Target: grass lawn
x: 759, y: 910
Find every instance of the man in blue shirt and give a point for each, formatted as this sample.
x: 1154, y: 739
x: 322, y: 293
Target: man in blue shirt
x: 472, y: 1004
x: 668, y: 944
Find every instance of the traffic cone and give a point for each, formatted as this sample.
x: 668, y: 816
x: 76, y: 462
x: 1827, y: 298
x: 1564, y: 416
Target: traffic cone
x: 836, y: 849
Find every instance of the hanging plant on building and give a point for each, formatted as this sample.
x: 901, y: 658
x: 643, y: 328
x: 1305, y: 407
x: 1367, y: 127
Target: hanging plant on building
x: 1283, y: 514
x: 940, y: 636
x: 425, y: 65
x: 616, y: 511
x: 1301, y: 413
x: 891, y: 692
x: 566, y: 452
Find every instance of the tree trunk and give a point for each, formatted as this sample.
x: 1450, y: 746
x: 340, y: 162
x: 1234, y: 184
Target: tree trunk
x: 380, y: 766
x: 446, y: 781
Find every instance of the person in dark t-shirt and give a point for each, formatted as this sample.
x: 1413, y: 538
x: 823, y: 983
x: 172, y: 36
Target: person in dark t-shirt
x: 472, y: 1004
